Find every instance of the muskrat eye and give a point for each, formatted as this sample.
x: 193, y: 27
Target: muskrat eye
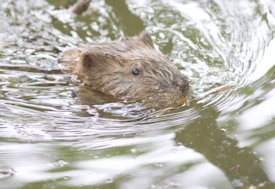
x: 135, y: 71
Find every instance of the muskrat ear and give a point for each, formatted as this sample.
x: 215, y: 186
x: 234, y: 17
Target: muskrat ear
x: 146, y: 38
x: 88, y: 60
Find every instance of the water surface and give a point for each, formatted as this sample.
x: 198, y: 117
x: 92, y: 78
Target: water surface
x: 48, y: 139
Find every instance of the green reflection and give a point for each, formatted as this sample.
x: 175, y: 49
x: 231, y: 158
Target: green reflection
x: 125, y: 19
x: 242, y: 167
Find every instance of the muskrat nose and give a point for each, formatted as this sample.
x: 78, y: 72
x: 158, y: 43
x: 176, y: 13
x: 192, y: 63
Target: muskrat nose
x: 182, y: 85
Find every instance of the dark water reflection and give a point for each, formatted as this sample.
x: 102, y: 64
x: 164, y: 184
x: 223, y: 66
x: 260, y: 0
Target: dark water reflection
x: 48, y: 139
x: 240, y: 165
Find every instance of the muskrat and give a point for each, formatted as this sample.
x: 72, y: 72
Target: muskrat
x: 130, y: 69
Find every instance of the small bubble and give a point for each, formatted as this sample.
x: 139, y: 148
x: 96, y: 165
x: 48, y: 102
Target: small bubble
x: 237, y: 183
x: 159, y: 165
x: 6, y: 172
x: 109, y: 180
x: 66, y: 178
x: 59, y: 163
x: 223, y: 130
x: 133, y: 150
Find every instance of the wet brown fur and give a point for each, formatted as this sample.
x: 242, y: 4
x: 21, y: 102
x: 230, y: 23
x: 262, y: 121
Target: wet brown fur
x: 107, y: 67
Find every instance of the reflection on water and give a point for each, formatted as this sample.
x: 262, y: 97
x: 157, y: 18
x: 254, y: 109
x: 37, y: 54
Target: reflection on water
x: 50, y: 139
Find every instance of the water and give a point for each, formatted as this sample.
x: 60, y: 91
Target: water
x: 48, y: 139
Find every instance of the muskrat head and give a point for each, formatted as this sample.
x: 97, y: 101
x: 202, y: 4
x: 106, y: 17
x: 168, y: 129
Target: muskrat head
x: 129, y: 69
